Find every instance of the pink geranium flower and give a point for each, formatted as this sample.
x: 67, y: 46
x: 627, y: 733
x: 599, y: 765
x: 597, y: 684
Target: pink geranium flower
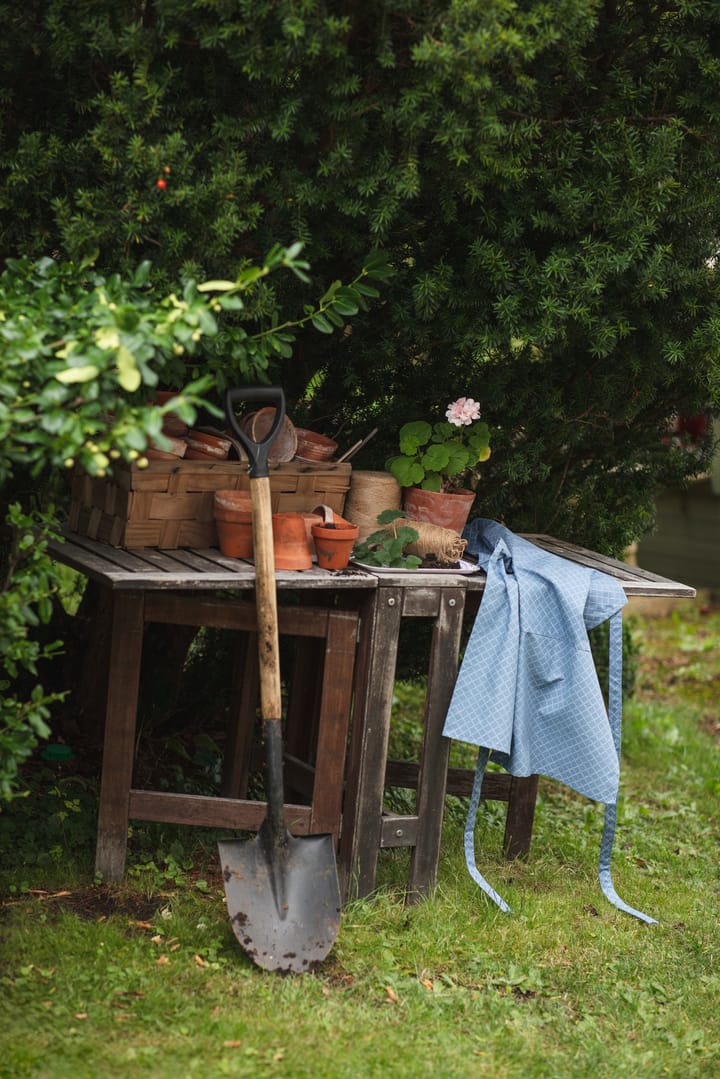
x: 463, y: 412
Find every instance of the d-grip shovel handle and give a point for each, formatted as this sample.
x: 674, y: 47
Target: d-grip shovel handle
x: 257, y: 451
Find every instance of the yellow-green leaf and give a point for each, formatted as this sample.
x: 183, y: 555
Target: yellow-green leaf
x: 77, y: 374
x: 216, y: 286
x: 129, y: 376
x: 107, y: 338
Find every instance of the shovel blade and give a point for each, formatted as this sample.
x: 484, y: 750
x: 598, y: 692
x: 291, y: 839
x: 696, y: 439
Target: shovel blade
x: 283, y: 900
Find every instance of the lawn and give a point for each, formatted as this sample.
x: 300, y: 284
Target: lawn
x: 147, y: 978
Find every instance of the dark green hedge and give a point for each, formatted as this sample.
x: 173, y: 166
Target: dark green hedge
x: 542, y: 177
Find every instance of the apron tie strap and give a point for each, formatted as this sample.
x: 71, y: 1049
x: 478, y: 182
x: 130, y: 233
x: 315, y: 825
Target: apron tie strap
x: 615, y: 717
x: 608, y: 835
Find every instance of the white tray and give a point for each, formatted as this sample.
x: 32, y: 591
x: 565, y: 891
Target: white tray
x: 464, y: 568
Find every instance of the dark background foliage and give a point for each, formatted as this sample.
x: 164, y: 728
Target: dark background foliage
x: 542, y: 177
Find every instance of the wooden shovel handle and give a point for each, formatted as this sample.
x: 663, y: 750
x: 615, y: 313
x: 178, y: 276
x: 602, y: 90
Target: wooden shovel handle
x: 266, y: 600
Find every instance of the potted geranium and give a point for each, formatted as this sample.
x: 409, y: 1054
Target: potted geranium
x: 435, y: 460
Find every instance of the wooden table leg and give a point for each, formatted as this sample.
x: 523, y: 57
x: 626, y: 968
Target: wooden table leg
x: 126, y: 641
x: 520, y: 816
x: 334, y: 722
x: 375, y: 680
x: 435, y: 751
x: 241, y: 721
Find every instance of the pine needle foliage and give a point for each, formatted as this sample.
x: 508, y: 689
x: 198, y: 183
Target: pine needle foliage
x: 542, y: 177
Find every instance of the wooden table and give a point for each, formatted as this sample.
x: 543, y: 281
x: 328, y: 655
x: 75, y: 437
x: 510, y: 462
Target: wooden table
x: 204, y: 588
x: 351, y: 623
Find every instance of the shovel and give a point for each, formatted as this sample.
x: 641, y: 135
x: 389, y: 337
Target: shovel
x: 282, y: 892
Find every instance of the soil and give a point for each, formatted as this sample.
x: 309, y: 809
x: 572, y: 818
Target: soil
x: 431, y: 561
x: 96, y: 904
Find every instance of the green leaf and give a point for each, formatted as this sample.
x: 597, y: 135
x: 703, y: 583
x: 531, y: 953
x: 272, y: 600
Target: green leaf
x: 217, y: 286
x: 129, y: 376
x: 78, y: 374
x: 321, y: 323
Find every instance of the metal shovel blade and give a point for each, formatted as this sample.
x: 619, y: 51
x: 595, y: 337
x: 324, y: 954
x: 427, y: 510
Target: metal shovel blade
x: 283, y: 900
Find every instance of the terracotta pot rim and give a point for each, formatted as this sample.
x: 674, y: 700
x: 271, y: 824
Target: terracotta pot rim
x: 339, y: 532
x: 313, y: 446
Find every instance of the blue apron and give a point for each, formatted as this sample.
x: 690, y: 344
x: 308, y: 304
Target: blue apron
x: 527, y: 690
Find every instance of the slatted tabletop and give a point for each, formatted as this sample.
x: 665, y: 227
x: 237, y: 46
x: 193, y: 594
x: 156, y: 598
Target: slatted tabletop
x: 635, y: 581
x: 202, y: 568
x: 188, y: 569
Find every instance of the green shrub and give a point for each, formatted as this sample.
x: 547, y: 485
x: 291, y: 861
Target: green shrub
x: 80, y: 358
x: 543, y: 178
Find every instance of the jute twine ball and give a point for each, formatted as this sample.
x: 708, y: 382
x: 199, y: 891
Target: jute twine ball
x: 446, y: 545
x: 370, y: 493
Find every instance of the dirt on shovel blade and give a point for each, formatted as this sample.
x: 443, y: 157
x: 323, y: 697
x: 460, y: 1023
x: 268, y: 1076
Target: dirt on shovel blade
x: 294, y: 933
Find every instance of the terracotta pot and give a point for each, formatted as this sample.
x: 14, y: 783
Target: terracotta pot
x: 201, y: 446
x: 445, y: 508
x: 257, y: 424
x: 178, y: 448
x: 233, y: 520
x: 292, y: 550
x: 235, y: 539
x: 232, y: 505
x: 334, y: 543
x: 312, y: 446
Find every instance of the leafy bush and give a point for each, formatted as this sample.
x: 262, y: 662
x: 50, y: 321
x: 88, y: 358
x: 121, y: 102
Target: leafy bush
x: 80, y: 358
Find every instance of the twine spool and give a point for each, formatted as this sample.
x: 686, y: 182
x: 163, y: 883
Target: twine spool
x: 446, y: 545
x: 370, y: 493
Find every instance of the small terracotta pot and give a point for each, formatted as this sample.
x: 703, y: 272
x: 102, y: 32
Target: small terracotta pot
x: 232, y: 505
x: 235, y: 539
x: 312, y: 446
x: 334, y: 543
x: 257, y: 424
x: 449, y: 509
x: 233, y: 520
x: 290, y: 541
x: 201, y: 446
x: 178, y: 448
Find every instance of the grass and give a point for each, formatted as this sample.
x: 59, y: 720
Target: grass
x: 147, y: 978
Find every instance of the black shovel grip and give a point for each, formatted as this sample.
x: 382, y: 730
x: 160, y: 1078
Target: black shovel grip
x: 257, y: 451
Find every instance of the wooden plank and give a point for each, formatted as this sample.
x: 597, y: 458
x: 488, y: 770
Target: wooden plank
x: 99, y: 567
x: 495, y: 786
x: 334, y: 721
x: 208, y: 559
x: 375, y: 680
x: 153, y: 569
x: 634, y: 580
x: 222, y: 612
x: 207, y: 811
x: 119, y: 738
x: 435, y: 750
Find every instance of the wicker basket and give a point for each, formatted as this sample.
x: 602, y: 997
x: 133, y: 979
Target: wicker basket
x: 170, y: 503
